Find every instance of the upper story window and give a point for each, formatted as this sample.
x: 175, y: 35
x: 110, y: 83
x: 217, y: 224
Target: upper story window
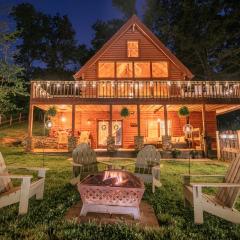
x: 106, y: 69
x: 124, y: 70
x: 132, y: 49
x: 159, y: 69
x: 142, y: 69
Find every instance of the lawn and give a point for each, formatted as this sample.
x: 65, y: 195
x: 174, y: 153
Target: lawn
x: 45, y: 219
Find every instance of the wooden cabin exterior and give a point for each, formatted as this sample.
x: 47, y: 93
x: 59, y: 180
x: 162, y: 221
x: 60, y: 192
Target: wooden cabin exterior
x: 136, y: 71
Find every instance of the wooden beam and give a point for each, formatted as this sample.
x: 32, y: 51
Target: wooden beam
x: 30, y: 120
x: 204, y: 128
x: 73, y: 119
x: 110, y: 120
x: 165, y: 120
x: 138, y: 120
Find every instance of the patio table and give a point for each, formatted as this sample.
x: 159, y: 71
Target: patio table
x: 117, y: 163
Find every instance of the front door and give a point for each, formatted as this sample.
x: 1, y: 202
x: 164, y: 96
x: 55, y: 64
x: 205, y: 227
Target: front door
x: 103, y: 132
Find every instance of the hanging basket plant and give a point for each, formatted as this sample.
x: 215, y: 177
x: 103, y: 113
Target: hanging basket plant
x: 183, y: 111
x: 124, y: 112
x: 52, y: 111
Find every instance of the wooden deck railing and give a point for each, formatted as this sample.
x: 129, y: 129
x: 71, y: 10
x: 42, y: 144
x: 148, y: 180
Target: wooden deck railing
x: 145, y: 89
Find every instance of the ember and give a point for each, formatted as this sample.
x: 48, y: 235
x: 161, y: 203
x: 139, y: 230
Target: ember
x: 113, y: 178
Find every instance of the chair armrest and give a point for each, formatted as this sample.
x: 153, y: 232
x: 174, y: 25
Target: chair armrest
x: 41, y: 170
x: 218, y: 185
x: 15, y: 176
x: 76, y: 164
x: 199, y: 175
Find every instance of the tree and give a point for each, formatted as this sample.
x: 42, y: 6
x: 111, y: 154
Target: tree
x: 104, y: 31
x: 203, y: 34
x: 48, y: 46
x: 11, y: 82
x: 128, y: 8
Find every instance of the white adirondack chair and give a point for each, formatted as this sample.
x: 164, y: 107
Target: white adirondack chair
x: 222, y: 204
x: 10, y: 194
x: 147, y: 166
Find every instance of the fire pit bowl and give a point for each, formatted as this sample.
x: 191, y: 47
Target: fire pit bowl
x: 114, y: 192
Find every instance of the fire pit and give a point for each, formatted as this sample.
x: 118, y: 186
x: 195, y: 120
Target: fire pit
x: 114, y: 192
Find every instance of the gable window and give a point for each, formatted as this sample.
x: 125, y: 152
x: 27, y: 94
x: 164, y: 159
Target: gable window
x: 106, y: 69
x: 132, y: 49
x: 159, y: 69
x: 124, y: 70
x: 142, y: 69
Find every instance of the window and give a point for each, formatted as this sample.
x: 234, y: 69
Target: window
x: 124, y: 70
x: 142, y: 69
x: 162, y: 127
x: 160, y: 69
x: 106, y: 70
x: 132, y: 48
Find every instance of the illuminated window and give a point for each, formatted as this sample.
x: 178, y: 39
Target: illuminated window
x: 162, y: 128
x: 106, y: 70
x: 142, y: 69
x: 124, y: 70
x: 132, y: 48
x: 160, y: 69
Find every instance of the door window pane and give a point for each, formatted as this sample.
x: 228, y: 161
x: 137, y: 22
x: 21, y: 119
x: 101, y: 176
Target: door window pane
x: 160, y: 69
x: 103, y: 128
x: 117, y: 132
x: 106, y: 70
x: 124, y: 70
x: 142, y: 69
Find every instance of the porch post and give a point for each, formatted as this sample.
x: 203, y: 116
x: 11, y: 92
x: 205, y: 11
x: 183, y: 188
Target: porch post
x: 110, y: 140
x: 165, y: 120
x: 138, y: 120
x: 30, y: 127
x: 204, y: 129
x: 73, y: 119
x: 110, y: 119
x: 72, y: 140
x: 138, y: 140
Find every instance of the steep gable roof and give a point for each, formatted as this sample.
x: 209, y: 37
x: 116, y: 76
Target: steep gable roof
x: 148, y: 34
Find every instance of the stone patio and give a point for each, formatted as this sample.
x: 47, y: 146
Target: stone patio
x: 147, y: 219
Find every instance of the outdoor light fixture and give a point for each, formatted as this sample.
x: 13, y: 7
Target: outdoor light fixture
x: 58, y: 85
x: 48, y: 124
x: 63, y: 119
x: 158, y: 120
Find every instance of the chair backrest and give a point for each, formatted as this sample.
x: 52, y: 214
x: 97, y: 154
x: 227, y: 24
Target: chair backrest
x: 83, y: 154
x: 84, y: 137
x: 5, y: 183
x: 228, y: 196
x: 148, y: 156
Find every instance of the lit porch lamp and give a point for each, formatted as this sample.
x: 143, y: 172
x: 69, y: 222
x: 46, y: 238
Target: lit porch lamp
x: 187, y: 129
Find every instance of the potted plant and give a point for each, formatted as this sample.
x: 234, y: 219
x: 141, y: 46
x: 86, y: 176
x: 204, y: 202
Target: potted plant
x: 184, y: 112
x: 52, y: 111
x: 124, y: 112
x: 175, y: 153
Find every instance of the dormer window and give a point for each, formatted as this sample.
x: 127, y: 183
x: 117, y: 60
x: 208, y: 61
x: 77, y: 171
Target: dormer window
x: 132, y: 48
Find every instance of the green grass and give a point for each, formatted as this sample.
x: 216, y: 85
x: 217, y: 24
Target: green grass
x: 20, y: 130
x: 45, y: 219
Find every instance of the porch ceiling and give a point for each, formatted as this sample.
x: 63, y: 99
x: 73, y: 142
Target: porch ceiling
x: 219, y: 108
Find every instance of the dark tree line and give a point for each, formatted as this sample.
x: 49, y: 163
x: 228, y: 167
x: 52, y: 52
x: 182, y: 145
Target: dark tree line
x: 204, y: 34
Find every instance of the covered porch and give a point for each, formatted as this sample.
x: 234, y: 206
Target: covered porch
x: 93, y: 124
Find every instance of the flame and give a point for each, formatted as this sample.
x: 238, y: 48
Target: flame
x: 114, y: 175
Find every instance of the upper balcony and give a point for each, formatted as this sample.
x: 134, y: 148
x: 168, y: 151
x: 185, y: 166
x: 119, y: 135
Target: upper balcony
x: 137, y: 91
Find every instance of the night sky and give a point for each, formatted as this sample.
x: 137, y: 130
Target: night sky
x: 82, y: 13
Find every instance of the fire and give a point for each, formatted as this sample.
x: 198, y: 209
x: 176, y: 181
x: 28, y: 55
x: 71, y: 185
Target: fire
x: 117, y: 176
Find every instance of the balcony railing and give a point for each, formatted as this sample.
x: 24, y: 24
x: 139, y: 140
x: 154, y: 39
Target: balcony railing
x: 144, y: 89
